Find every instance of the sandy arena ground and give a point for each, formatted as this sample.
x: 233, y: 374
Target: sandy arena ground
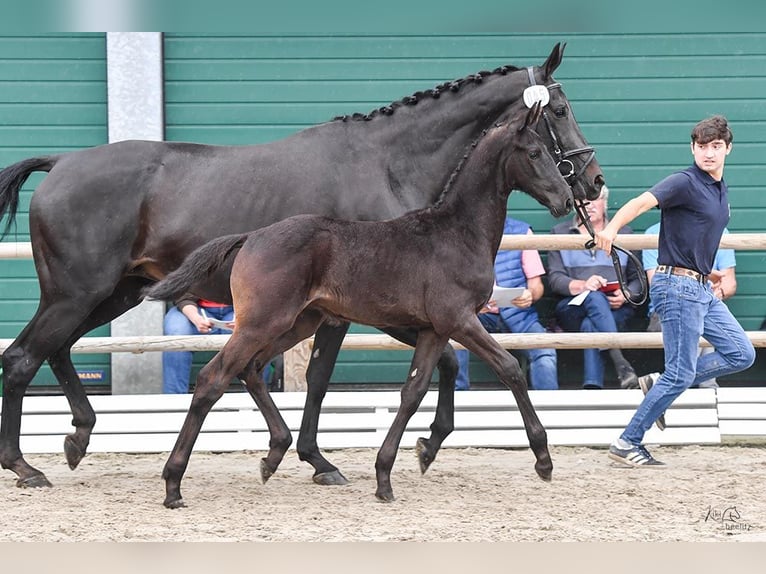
x: 470, y: 494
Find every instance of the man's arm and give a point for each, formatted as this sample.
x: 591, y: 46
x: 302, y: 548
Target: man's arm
x: 624, y: 215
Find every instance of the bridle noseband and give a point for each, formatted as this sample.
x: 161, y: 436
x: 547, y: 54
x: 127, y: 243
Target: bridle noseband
x: 565, y: 165
x: 570, y: 175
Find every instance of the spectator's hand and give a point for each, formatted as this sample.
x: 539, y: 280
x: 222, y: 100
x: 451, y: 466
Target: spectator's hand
x: 202, y: 324
x: 523, y: 301
x: 616, y: 299
x: 490, y: 307
x: 594, y: 283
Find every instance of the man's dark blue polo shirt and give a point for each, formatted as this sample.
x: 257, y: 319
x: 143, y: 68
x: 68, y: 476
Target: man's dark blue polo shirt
x: 695, y: 210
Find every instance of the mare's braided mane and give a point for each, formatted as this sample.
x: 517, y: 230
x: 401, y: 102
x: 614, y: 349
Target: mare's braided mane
x: 434, y: 93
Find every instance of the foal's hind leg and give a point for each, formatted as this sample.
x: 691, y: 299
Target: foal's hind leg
x: 444, y: 417
x: 424, y: 360
x: 327, y: 343
x: 476, y: 339
x: 280, y: 438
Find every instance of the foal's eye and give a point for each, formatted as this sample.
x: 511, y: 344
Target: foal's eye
x: 534, y: 154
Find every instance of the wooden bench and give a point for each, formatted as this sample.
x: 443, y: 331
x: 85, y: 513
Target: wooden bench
x: 150, y: 423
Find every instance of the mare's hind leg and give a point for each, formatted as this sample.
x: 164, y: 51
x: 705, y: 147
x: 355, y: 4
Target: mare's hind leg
x: 327, y: 343
x: 427, y: 352
x: 280, y: 439
x: 47, y: 333
x: 476, y: 339
x: 125, y: 296
x: 444, y: 417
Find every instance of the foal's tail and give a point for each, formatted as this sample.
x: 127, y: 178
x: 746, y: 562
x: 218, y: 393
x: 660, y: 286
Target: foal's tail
x: 11, y: 180
x: 196, y: 268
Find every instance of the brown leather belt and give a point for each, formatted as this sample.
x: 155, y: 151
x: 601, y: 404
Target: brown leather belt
x: 682, y: 271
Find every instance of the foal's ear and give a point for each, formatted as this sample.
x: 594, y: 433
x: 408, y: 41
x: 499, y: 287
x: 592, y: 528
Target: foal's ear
x: 553, y: 61
x: 532, y: 116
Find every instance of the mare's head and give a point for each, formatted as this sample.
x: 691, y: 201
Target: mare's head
x: 560, y: 130
x: 528, y: 166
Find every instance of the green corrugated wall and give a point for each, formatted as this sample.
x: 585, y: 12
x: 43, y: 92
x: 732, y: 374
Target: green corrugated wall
x: 635, y: 95
x: 52, y: 99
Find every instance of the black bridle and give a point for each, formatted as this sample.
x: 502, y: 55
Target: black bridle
x: 570, y: 174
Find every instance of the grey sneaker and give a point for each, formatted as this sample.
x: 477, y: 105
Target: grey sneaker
x: 634, y: 456
x: 646, y: 383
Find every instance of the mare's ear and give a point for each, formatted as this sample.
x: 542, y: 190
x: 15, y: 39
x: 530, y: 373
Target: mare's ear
x: 553, y: 61
x: 532, y: 116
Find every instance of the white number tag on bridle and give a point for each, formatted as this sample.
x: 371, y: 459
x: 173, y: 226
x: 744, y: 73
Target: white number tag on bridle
x: 536, y: 93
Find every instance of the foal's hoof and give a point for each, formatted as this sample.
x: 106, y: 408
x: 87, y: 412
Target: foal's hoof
x: 333, y: 478
x: 175, y: 503
x: 74, y: 454
x: 424, y: 454
x: 266, y: 471
x: 34, y: 481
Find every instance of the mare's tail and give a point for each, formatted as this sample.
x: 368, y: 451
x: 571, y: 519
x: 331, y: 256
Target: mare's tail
x: 196, y: 268
x: 11, y: 180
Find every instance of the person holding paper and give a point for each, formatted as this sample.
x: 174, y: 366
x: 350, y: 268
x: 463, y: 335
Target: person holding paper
x: 190, y: 316
x: 517, y: 269
x: 590, y: 302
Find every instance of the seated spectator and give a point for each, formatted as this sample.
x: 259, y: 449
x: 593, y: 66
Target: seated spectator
x: 189, y: 316
x: 604, y: 309
x: 517, y: 269
x: 724, y: 285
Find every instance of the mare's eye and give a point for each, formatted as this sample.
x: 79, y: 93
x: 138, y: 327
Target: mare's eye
x: 560, y: 112
x: 534, y: 154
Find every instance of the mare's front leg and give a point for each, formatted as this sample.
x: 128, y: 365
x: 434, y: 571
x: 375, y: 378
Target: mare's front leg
x: 427, y: 352
x: 327, y: 343
x: 444, y: 417
x: 476, y: 339
x: 212, y: 381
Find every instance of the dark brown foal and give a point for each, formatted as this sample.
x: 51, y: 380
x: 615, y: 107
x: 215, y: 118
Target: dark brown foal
x: 431, y: 270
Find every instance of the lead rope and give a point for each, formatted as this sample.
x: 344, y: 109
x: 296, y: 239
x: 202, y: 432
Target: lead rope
x: 591, y: 244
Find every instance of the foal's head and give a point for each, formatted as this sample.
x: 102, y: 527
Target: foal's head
x: 528, y: 165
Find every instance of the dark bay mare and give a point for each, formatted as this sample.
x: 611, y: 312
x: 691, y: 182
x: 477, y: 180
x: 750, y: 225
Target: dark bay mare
x: 150, y: 204
x: 430, y: 270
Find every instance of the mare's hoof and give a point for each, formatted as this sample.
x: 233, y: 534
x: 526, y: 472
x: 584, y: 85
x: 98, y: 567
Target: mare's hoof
x: 333, y: 478
x: 34, y: 481
x: 74, y: 454
x: 266, y: 472
x: 176, y: 503
x: 387, y: 496
x: 424, y: 454
x: 545, y: 473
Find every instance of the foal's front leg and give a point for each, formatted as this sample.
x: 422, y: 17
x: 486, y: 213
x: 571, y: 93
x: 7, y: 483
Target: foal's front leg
x: 444, y: 417
x: 212, y: 381
x: 476, y: 339
x: 427, y: 352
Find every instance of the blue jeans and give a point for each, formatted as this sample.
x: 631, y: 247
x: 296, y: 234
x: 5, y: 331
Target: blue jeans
x: 593, y: 315
x: 689, y: 310
x: 176, y: 365
x: 542, y: 362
